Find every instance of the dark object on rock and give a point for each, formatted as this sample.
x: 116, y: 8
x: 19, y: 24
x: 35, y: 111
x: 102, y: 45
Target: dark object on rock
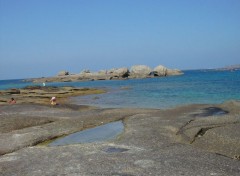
x: 13, y: 91
x: 115, y: 150
x: 211, y: 111
x: 63, y: 73
x: 153, y: 73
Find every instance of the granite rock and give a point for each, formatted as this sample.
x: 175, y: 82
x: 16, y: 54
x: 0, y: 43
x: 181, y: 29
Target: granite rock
x: 63, y: 73
x: 140, y: 71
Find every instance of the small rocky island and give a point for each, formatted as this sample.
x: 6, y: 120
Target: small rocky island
x: 136, y: 71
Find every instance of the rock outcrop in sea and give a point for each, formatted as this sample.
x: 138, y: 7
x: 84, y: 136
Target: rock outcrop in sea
x: 136, y: 71
x: 63, y: 73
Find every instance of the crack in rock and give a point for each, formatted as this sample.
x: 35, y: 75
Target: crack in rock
x: 201, y: 132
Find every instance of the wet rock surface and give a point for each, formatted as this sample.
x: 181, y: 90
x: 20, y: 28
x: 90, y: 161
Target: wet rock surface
x: 210, y: 111
x: 154, y: 142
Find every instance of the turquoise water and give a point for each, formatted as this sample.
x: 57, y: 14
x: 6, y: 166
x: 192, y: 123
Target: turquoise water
x: 198, y: 86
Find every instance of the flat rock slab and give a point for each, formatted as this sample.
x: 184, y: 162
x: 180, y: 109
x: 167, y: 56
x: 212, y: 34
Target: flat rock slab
x: 216, y: 134
x: 43, y: 94
x: 149, y: 145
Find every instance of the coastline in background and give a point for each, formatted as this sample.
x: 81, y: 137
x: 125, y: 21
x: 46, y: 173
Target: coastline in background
x: 194, y: 87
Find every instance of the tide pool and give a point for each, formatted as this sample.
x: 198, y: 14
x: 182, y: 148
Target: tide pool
x: 98, y: 134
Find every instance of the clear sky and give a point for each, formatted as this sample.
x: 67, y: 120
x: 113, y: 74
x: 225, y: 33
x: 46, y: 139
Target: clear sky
x: 41, y: 37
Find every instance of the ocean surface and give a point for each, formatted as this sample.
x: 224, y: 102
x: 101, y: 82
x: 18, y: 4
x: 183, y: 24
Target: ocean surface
x: 194, y: 87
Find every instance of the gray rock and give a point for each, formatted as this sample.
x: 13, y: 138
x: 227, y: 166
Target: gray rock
x: 218, y: 134
x: 104, y: 72
x: 11, y: 91
x: 119, y: 72
x: 140, y: 71
x: 136, y: 71
x: 160, y: 70
x: 85, y: 71
x: 163, y: 71
x: 173, y: 72
x: 224, y: 140
x: 63, y: 73
x: 148, y: 145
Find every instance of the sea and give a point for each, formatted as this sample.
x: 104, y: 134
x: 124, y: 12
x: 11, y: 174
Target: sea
x: 193, y: 87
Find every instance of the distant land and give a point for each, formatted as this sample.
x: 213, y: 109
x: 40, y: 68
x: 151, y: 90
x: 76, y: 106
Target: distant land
x: 231, y: 67
x: 226, y: 68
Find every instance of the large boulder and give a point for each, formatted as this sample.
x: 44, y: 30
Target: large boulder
x: 85, y: 71
x: 140, y: 71
x: 63, y: 73
x: 173, y: 72
x: 163, y: 71
x: 119, y: 72
x: 160, y: 70
x: 103, y: 72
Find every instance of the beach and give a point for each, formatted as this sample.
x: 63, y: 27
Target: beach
x: 185, y: 140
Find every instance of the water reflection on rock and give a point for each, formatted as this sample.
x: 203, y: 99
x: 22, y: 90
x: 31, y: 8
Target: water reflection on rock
x: 98, y: 134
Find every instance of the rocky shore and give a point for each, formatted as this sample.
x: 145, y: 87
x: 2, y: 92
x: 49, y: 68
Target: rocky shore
x: 43, y: 94
x: 136, y: 71
x: 187, y: 140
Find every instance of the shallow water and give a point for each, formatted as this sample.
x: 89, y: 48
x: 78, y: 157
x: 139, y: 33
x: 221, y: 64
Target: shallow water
x: 194, y: 87
x: 98, y: 134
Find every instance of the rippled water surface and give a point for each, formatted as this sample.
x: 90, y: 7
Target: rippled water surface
x: 199, y: 86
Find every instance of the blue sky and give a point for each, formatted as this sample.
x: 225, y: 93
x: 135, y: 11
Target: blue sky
x: 41, y: 37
